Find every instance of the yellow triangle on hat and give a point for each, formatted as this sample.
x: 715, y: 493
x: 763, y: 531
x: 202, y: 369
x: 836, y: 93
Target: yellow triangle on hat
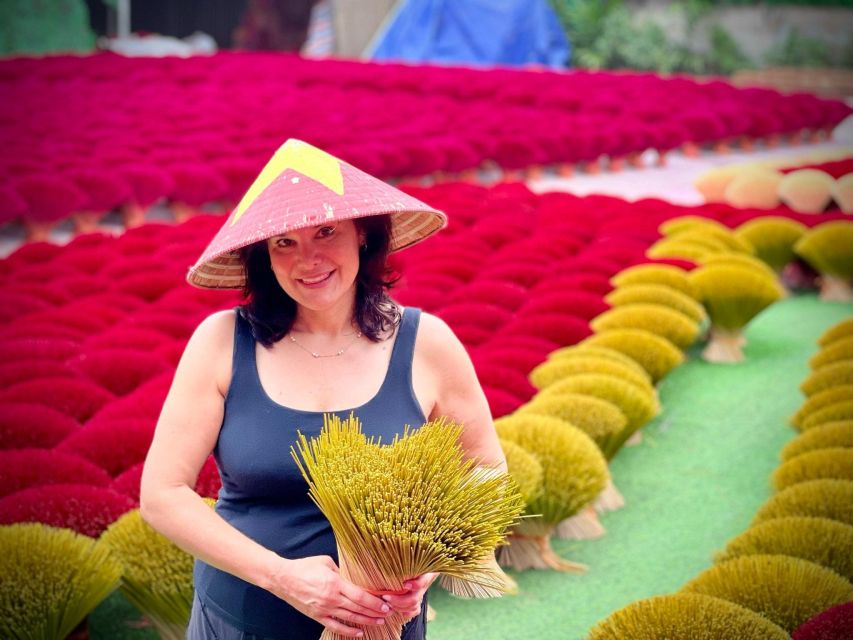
x: 299, y: 156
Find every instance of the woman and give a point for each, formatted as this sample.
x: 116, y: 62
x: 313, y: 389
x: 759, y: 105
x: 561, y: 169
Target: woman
x: 319, y: 334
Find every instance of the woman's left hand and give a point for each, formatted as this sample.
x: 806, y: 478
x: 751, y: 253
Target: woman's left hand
x: 409, y: 604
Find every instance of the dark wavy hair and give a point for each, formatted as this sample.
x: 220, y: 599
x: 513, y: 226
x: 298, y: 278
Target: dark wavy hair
x: 271, y: 312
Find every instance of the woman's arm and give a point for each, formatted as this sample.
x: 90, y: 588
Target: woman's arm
x: 186, y: 434
x: 446, y: 375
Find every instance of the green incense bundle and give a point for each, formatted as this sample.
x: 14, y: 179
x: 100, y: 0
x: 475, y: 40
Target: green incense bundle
x: 574, y: 472
x: 836, y: 332
x: 657, y: 294
x: 50, y: 580
x: 733, y: 296
x: 157, y: 575
x: 672, y: 325
x: 584, y: 350
x: 827, y: 498
x: 823, y: 541
x: 785, y: 590
x: 828, y: 247
x: 415, y: 506
x: 773, y: 237
x: 686, y: 615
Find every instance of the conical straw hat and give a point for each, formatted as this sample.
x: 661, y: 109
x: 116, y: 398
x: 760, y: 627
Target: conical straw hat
x: 303, y: 186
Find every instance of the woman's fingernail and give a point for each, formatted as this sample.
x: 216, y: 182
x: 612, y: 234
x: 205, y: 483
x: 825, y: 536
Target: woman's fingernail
x: 386, y: 598
x: 380, y: 620
x: 385, y: 608
x: 359, y: 634
x: 407, y: 585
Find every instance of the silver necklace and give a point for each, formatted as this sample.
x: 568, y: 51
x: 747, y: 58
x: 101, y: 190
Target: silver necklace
x: 337, y: 353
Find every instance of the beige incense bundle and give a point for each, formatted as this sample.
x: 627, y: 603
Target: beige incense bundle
x: 415, y: 506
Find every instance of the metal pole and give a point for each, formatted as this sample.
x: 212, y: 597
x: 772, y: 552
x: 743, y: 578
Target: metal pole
x: 123, y: 27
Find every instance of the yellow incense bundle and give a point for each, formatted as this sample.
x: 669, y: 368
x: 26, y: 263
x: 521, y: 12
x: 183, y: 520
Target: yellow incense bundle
x: 412, y: 507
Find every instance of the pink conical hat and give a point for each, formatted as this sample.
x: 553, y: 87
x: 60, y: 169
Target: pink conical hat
x: 303, y: 186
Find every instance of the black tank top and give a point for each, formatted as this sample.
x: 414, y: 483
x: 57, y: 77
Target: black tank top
x: 264, y: 495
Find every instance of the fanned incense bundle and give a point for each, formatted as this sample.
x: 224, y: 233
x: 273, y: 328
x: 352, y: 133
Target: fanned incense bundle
x: 821, y: 400
x: 574, y: 473
x: 726, y: 236
x: 827, y: 498
x: 788, y: 591
x: 657, y: 294
x: 836, y: 463
x: 839, y: 350
x: 842, y: 193
x: 820, y: 540
x: 157, y: 576
x: 825, y: 436
x: 700, y: 237
x: 836, y: 332
x: 773, y: 237
x: 587, y: 350
x: 686, y: 615
x: 637, y: 405
x: 412, y: 507
x: 684, y: 223
x: 828, y: 377
x: 828, y: 247
x: 733, y: 296
x: 599, y: 419
x: 741, y: 260
x: 657, y: 355
x: 557, y: 369
x: 698, y: 227
x: 673, y: 325
x: 681, y: 249
x: 807, y: 190
x: 665, y: 274
x: 50, y: 579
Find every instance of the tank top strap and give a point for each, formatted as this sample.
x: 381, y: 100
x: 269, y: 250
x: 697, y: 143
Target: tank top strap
x: 243, y: 359
x: 400, y: 367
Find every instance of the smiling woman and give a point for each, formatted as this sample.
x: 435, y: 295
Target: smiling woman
x: 318, y: 334
x: 308, y: 267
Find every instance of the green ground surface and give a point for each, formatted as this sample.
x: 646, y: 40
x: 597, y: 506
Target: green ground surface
x: 695, y: 482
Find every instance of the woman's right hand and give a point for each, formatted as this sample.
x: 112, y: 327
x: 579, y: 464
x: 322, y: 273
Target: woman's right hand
x: 315, y: 587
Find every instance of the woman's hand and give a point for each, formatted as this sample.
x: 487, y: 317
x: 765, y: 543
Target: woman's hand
x: 315, y: 587
x: 409, y: 604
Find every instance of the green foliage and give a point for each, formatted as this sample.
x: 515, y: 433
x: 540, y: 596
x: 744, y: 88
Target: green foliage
x: 44, y: 27
x: 799, y: 51
x: 582, y: 19
x: 797, y: 3
x: 603, y: 35
x: 726, y: 55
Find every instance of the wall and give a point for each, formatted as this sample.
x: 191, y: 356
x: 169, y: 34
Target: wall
x: 757, y: 29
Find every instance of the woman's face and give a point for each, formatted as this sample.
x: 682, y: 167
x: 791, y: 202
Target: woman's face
x: 317, y: 266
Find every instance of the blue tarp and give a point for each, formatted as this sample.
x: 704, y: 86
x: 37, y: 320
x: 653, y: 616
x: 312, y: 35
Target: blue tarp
x: 483, y: 32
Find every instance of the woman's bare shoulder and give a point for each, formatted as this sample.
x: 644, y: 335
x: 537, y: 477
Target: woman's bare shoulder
x: 213, y: 336
x: 436, y: 338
